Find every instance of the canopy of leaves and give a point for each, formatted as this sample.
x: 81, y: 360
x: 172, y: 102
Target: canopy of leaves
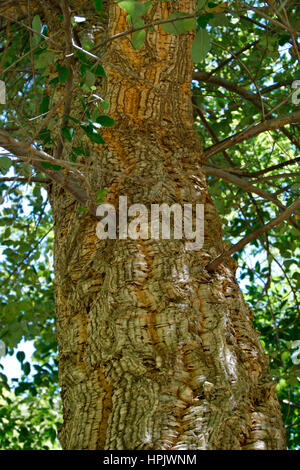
x: 246, y: 62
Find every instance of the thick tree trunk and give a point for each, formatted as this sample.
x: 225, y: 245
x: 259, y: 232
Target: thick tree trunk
x: 154, y: 351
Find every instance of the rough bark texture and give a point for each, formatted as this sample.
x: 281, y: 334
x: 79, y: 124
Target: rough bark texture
x: 154, y: 352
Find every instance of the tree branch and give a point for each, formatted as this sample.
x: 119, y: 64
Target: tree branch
x: 273, y: 167
x: 29, y: 154
x: 208, y: 78
x: 291, y: 403
x: 275, y: 86
x: 22, y: 179
x: 278, y: 176
x: 252, y: 236
x: 255, y: 99
x: 246, y: 185
x: 252, y: 131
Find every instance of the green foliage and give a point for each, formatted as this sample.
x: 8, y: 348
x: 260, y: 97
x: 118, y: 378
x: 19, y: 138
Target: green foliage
x: 138, y: 38
x: 36, y: 26
x: 30, y: 410
x: 201, y: 45
x: 101, y: 195
x: 68, y: 133
x: 135, y: 8
x: 105, y: 121
x: 91, y: 131
x: 98, y: 5
x: 179, y: 25
x: 5, y: 164
x: 63, y: 73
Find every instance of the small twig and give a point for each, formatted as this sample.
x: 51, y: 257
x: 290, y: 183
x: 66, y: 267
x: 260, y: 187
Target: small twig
x: 273, y: 167
x: 273, y: 177
x: 22, y: 179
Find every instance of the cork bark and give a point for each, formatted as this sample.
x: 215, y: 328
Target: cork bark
x: 154, y: 351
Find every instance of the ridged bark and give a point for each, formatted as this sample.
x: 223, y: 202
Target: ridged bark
x: 154, y: 351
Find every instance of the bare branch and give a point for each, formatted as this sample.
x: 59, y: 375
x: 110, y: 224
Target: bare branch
x: 252, y: 236
x: 274, y: 177
x: 246, y: 185
x: 22, y: 179
x: 291, y: 403
x: 273, y: 167
x: 255, y: 174
x: 253, y: 131
x: 207, y: 77
x: 275, y: 86
x: 29, y: 154
x: 261, y: 13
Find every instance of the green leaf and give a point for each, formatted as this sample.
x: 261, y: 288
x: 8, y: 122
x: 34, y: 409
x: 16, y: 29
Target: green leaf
x: 83, y: 58
x: 180, y: 26
x: 138, y: 39
x: 26, y: 368
x: 200, y: 4
x: 104, y: 105
x: 36, y: 26
x: 98, y: 5
x: 190, y: 24
x: 68, y: 133
x: 219, y: 19
x: 203, y: 20
x: 262, y: 343
x: 63, y: 73
x: 134, y: 8
x: 99, y: 71
x: 71, y: 119
x: 45, y: 136
x: 285, y: 356
x: 105, y: 121
x: 44, y: 106
x: 5, y: 164
x: 44, y: 59
x: 20, y: 356
x: 89, y: 79
x: 82, y: 209
x: 101, y: 195
x: 201, y: 45
x: 86, y: 110
x: 93, y: 135
x: 283, y: 39
x: 50, y: 166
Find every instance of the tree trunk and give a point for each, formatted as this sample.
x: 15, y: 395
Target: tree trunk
x: 154, y: 351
